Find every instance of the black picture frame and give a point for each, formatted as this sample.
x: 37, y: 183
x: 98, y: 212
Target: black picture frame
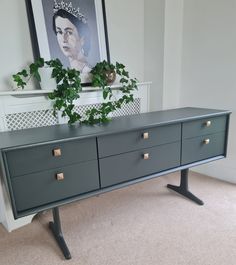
x: 44, y: 39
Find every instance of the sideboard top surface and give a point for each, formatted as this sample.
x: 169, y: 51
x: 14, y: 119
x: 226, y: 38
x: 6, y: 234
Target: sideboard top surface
x: 65, y: 132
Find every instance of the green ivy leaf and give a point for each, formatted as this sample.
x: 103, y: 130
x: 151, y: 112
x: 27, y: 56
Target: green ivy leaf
x: 124, y: 80
x: 33, y: 68
x: 69, y: 86
x: 37, y: 76
x: 24, y: 73
x: 40, y: 62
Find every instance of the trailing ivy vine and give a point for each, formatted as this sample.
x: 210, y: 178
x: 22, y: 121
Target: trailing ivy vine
x: 99, y: 79
x: 69, y: 87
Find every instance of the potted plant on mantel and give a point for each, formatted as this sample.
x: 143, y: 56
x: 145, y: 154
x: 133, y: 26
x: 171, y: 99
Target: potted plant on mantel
x: 68, y: 88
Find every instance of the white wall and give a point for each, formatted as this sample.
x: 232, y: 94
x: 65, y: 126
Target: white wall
x: 172, y: 53
x: 208, y: 68
x: 16, y: 49
x: 125, y: 21
x: 154, y: 19
x: 126, y: 37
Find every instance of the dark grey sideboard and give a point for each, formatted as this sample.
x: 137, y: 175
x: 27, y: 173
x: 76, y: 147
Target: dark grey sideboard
x: 46, y: 167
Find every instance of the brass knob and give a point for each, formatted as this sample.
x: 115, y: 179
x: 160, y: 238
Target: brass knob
x: 57, y: 152
x: 60, y: 176
x: 145, y: 135
x: 206, y: 141
x: 208, y: 123
x: 146, y: 156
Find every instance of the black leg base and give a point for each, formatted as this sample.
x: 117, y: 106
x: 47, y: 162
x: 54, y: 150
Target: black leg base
x: 183, y: 188
x: 56, y: 230
x: 185, y: 193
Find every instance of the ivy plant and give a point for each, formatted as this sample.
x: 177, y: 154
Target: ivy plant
x: 69, y: 87
x: 99, y: 79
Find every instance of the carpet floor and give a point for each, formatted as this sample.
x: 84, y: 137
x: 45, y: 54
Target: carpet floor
x: 144, y: 224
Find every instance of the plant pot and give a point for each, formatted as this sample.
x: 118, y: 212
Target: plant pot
x: 47, y: 82
x: 110, y: 77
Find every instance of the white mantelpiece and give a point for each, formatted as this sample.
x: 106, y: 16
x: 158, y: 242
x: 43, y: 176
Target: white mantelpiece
x: 47, y: 91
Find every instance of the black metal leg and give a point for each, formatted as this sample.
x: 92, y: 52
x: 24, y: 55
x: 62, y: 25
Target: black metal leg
x: 183, y: 188
x: 55, y: 226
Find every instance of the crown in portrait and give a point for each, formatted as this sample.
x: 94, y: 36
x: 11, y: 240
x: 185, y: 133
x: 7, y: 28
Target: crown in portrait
x: 61, y: 5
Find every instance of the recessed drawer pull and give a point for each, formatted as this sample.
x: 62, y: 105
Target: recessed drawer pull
x: 60, y: 176
x: 208, y: 123
x: 145, y: 135
x: 206, y: 141
x: 146, y: 156
x: 57, y: 152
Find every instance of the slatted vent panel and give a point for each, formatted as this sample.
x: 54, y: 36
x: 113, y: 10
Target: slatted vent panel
x: 40, y: 118
x: 31, y: 119
x: 128, y: 109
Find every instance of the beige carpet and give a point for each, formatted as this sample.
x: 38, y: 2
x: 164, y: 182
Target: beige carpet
x: 144, y: 224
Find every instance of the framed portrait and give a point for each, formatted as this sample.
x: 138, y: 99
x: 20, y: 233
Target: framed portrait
x: 74, y: 31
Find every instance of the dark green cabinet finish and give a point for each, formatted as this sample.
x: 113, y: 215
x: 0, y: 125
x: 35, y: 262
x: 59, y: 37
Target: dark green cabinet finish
x: 50, y: 166
x: 132, y: 165
x: 41, y: 188
x: 37, y: 158
x: 130, y: 141
x: 203, y: 147
x: 204, y: 126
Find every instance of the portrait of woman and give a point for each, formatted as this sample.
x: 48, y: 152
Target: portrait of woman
x: 73, y: 37
x: 74, y: 31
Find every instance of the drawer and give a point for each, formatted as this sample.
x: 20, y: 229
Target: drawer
x: 38, y: 158
x: 196, y: 149
x: 128, y: 166
x: 135, y: 140
x: 204, y: 126
x: 42, y: 188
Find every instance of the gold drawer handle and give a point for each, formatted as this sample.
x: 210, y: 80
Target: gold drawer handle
x: 208, y: 123
x: 60, y: 176
x: 146, y: 156
x: 57, y: 152
x: 145, y: 135
x: 206, y: 141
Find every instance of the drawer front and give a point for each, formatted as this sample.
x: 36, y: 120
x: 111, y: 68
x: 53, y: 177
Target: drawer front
x: 204, y: 126
x: 196, y: 149
x: 128, y: 166
x: 42, y: 188
x: 38, y: 158
x: 130, y: 141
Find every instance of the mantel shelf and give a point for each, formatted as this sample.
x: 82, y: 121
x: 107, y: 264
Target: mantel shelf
x: 47, y: 91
